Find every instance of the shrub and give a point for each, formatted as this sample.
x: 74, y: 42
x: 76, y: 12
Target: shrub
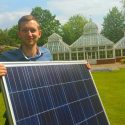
x: 4, y: 48
x: 122, y: 61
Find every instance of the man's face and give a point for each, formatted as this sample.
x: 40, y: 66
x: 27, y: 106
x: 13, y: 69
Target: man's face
x: 29, y: 33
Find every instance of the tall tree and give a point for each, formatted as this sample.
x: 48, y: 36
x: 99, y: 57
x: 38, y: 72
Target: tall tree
x: 47, y: 21
x: 73, y: 29
x: 13, y: 36
x: 113, y: 25
x: 123, y: 12
x: 4, y: 38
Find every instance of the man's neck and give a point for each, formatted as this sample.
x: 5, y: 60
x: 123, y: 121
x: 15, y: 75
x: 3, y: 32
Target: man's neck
x: 30, y: 51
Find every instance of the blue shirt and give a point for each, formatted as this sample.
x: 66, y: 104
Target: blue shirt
x: 17, y: 55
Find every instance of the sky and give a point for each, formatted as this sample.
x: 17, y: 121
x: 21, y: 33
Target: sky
x: 12, y: 10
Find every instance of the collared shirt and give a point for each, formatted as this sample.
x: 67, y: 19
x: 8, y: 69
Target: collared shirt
x: 17, y: 55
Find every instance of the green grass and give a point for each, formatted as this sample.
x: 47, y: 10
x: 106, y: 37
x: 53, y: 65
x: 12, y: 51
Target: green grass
x: 2, y: 109
x: 111, y: 87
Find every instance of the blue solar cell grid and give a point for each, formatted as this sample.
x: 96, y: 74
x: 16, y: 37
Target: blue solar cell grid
x: 53, y: 94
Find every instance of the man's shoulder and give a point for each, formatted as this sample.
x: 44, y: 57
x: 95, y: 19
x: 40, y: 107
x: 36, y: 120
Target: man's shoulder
x: 46, y: 54
x: 44, y: 49
x: 9, y: 55
x: 14, y: 52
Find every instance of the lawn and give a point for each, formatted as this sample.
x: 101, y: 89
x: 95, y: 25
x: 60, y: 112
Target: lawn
x: 2, y: 109
x: 111, y: 87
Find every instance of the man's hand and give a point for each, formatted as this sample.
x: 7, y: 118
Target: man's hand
x: 88, y: 65
x: 3, y: 70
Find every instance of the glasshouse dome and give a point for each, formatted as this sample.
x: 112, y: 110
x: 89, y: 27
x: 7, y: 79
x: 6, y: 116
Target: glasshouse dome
x: 92, y: 46
x: 90, y: 28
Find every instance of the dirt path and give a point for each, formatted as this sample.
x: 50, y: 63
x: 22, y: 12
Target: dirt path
x: 114, y: 66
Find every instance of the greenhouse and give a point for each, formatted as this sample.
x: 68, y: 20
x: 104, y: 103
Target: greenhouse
x: 59, y: 49
x: 92, y: 46
x: 120, y: 49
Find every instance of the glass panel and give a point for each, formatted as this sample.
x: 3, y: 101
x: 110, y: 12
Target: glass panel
x: 61, y: 56
x: 74, y: 56
x: 109, y: 54
x: 81, y: 56
x: 109, y: 47
x: 102, y: 54
x: 123, y: 52
x: 101, y: 47
x: 89, y: 55
x: 93, y: 55
x: 94, y: 48
x: 86, y: 55
x: 67, y: 56
x: 73, y: 49
x: 87, y: 48
x: 118, y: 52
x: 55, y: 57
x: 80, y: 49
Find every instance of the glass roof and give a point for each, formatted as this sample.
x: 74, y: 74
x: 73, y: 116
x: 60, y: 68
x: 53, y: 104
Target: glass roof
x: 91, y: 40
x: 56, y: 45
x: 90, y: 28
x: 120, y: 44
x: 91, y: 37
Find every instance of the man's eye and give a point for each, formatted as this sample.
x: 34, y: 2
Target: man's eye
x: 25, y: 30
x: 28, y: 30
x: 32, y: 30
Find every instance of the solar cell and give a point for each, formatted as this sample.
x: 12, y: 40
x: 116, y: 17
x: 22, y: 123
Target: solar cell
x: 52, y: 93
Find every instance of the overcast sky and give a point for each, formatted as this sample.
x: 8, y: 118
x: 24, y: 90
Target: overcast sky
x: 12, y: 10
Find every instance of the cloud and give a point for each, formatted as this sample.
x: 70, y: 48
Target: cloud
x: 8, y: 19
x: 87, y: 8
x: 94, y: 9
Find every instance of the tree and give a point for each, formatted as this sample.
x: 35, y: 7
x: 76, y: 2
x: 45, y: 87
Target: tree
x: 123, y: 12
x: 73, y: 29
x: 47, y: 22
x: 113, y: 25
x: 4, y: 39
x: 9, y: 36
x: 13, y: 36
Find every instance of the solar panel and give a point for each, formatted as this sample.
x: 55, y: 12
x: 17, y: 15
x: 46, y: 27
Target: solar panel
x: 52, y: 93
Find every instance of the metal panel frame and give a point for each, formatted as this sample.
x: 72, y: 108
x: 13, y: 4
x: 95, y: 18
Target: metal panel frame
x: 19, y: 64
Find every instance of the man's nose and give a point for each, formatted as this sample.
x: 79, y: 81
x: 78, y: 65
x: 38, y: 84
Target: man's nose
x: 29, y: 33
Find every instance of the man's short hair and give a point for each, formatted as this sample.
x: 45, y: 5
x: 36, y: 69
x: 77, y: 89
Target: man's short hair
x: 27, y: 18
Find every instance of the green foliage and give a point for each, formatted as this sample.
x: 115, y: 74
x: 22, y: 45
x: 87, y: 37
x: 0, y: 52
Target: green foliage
x: 9, y: 37
x: 4, y: 48
x: 2, y: 110
x: 73, y: 29
x: 13, y: 36
x: 122, y: 61
x: 4, y: 38
x: 113, y: 25
x: 47, y: 22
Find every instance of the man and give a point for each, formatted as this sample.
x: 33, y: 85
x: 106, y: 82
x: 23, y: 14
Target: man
x: 29, y: 32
